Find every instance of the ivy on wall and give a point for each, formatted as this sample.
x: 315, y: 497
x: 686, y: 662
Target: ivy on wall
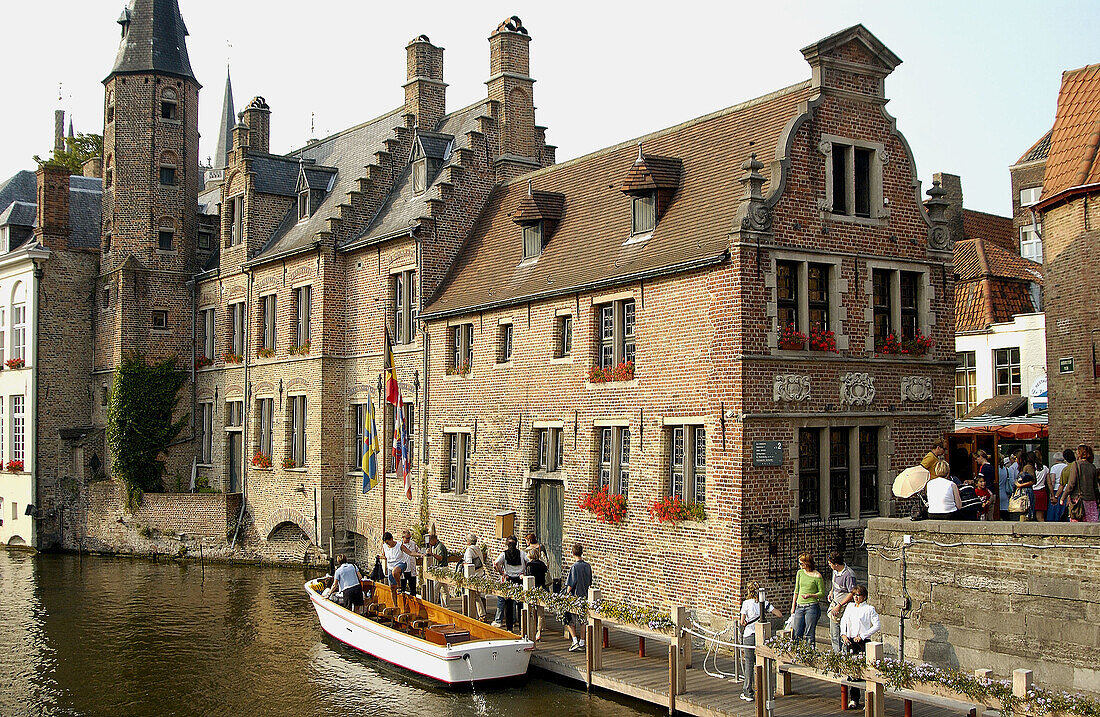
x: 140, y: 423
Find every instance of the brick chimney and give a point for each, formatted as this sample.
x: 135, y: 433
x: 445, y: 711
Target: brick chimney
x: 257, y: 117
x: 58, y: 130
x: 512, y: 88
x: 425, y: 92
x: 952, y: 185
x: 52, y: 213
x: 93, y: 167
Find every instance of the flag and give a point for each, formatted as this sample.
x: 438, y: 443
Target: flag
x: 372, y: 449
x: 400, y: 439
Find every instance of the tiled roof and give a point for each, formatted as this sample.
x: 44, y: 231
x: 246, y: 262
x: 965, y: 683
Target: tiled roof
x: 591, y: 246
x: 19, y: 214
x: 1075, y: 137
x: 20, y: 187
x: 990, y: 227
x: 976, y: 258
x: 1000, y: 407
x: 993, y: 285
x: 1038, y: 151
x: 155, y: 40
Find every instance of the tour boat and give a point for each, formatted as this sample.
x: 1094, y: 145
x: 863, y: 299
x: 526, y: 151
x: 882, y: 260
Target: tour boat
x: 422, y: 637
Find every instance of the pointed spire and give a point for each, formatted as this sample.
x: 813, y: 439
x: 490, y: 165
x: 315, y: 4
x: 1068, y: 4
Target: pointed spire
x: 225, y: 129
x: 154, y: 39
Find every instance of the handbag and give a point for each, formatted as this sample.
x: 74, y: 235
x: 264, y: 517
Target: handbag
x: 1020, y: 502
x: 1076, y: 509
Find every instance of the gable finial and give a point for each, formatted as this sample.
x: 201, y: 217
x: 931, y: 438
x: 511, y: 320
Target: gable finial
x: 641, y: 158
x: 529, y: 188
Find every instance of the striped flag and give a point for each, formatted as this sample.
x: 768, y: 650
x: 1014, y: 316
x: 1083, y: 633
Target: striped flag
x: 372, y: 449
x: 400, y: 439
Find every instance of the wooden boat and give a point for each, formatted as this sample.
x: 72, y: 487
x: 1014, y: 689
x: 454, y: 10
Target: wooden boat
x: 422, y: 637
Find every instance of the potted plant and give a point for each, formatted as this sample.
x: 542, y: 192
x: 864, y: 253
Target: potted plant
x: 891, y: 345
x: 791, y: 339
x: 14, y: 466
x: 16, y: 362
x: 261, y: 460
x: 300, y: 350
x: 203, y: 362
x: 822, y: 339
x: 622, y: 372
x: 919, y: 345
x: 233, y: 358
x: 266, y: 353
x: 289, y: 463
x: 671, y: 509
x: 606, y: 506
x: 462, y: 370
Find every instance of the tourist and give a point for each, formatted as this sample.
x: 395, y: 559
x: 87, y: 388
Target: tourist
x: 536, y: 568
x: 498, y: 618
x: 346, y: 585
x: 397, y: 561
x: 840, y: 594
x: 944, y: 499
x: 1003, y: 488
x: 409, y: 577
x: 985, y: 512
x: 1023, y: 497
x: 439, y: 554
x: 859, y: 623
x: 1056, y: 512
x: 934, y: 456
x: 1086, y: 479
x: 577, y: 584
x: 510, y: 564
x: 752, y: 611
x: 809, y: 592
x: 1039, y: 490
x: 474, y: 557
x: 971, y: 504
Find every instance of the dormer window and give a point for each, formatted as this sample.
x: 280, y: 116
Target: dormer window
x: 420, y: 175
x: 169, y: 106
x: 303, y: 205
x: 643, y: 213
x: 532, y: 240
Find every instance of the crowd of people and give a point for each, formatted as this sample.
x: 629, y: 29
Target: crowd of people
x: 1026, y: 488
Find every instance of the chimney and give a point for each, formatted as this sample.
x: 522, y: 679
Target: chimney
x: 58, y: 131
x: 425, y: 92
x: 93, y: 167
x: 257, y: 117
x: 512, y: 88
x: 52, y: 213
x: 952, y: 186
x: 240, y: 136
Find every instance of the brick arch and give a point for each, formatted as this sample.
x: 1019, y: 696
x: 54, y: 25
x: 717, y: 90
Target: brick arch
x: 16, y: 540
x: 289, y: 515
x: 297, y: 384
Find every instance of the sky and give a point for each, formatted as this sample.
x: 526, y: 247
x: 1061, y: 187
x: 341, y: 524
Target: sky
x: 977, y: 86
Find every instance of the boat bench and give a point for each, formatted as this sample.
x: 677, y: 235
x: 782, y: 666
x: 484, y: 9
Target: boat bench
x: 445, y: 634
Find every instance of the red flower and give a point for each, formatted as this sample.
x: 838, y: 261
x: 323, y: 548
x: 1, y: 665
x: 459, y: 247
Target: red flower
x: 822, y: 339
x: 791, y: 339
x: 623, y: 372
x: 607, y: 507
x: 671, y: 509
x: 261, y: 460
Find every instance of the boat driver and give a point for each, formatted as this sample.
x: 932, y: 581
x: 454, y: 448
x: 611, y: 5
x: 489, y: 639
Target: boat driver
x: 345, y: 581
x: 397, y: 559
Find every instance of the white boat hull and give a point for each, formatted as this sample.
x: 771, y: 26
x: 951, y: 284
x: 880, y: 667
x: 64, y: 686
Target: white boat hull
x: 473, y: 661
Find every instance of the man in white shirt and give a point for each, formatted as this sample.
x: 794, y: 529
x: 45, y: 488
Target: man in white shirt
x: 859, y: 623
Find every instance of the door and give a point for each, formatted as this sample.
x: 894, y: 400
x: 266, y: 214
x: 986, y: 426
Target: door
x: 549, y: 507
x: 235, y: 441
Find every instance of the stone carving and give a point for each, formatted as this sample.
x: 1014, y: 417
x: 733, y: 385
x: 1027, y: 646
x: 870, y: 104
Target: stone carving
x: 939, y: 237
x: 790, y: 387
x: 857, y: 389
x: 916, y: 388
x: 758, y: 218
x: 825, y: 146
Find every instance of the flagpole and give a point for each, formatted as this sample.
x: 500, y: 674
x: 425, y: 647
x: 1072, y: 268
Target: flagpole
x: 382, y: 453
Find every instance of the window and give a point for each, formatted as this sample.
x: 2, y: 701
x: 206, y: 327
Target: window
x: 565, y: 336
x: 910, y: 314
x: 688, y: 461
x: 504, y: 343
x: 459, y: 450
x: 19, y: 329
x: 166, y: 235
x: 897, y: 301
x: 880, y: 305
x: 206, y: 240
x: 786, y: 293
x: 854, y: 180
x: 462, y: 348
x: 167, y: 175
x: 234, y: 414
x: 169, y: 106
x: 265, y: 408
x: 3, y: 346
x: 1030, y: 196
x: 614, y: 459
x: 267, y: 321
x: 643, y: 213
x: 208, y: 333
x: 404, y: 306
x: 966, y: 383
x: 206, y: 428
x: 1031, y: 244
x: 868, y: 471
x: 1006, y: 366
x: 408, y: 421
x: 420, y: 175
x: 18, y: 428
x: 360, y: 436
x: 3, y: 436
x: 236, y: 220
x: 108, y: 173
x: 809, y: 473
x: 839, y: 472
x: 110, y: 107
x: 1033, y: 288
x: 548, y: 448
x: 303, y: 304
x: 532, y: 240
x: 616, y: 333
x: 160, y: 320
x: 236, y: 328
x: 303, y: 204
x: 105, y: 397
x: 817, y: 294
x: 297, y: 430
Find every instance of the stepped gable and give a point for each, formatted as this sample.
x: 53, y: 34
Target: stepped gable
x: 590, y: 246
x: 403, y: 208
x: 154, y: 39
x: 992, y: 284
x: 348, y: 152
x: 1075, y: 137
x: 1038, y: 151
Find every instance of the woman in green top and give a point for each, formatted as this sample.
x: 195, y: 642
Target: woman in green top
x: 809, y: 591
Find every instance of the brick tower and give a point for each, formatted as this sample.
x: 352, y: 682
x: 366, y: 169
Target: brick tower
x: 151, y: 185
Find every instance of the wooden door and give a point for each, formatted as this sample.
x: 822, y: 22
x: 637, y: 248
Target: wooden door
x: 549, y: 508
x: 235, y: 441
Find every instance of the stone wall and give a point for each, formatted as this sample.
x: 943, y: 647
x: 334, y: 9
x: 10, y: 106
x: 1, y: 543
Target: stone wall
x: 209, y: 515
x: 1011, y: 605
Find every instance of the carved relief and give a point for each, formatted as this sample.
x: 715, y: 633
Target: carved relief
x: 233, y: 292
x: 758, y: 218
x: 825, y: 147
x: 233, y: 391
x: 790, y: 387
x: 857, y: 389
x: 297, y: 384
x: 302, y: 272
x: 264, y: 388
x: 916, y: 388
x: 939, y: 237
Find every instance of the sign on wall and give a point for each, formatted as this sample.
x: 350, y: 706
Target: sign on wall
x: 767, y: 453
x: 1065, y: 365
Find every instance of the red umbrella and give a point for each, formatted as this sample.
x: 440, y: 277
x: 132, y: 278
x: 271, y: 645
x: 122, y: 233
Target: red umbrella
x: 1023, y: 431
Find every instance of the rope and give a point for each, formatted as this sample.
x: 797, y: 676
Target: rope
x: 712, y: 642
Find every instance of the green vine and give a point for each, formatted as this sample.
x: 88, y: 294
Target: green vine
x: 140, y: 424
x: 829, y: 662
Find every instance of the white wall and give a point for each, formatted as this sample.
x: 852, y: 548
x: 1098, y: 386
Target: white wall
x: 1026, y: 331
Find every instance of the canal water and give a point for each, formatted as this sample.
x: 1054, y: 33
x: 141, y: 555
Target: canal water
x: 118, y: 637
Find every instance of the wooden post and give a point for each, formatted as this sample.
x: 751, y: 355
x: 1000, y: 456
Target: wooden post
x: 760, y: 699
x: 679, y: 617
x: 869, y: 705
x: 764, y: 686
x: 588, y: 635
x: 907, y: 707
x: 595, y: 624
x: 606, y: 638
x: 672, y: 681
x: 876, y: 693
x: 641, y: 646
x: 843, y: 697
x: 468, y: 595
x: 530, y: 616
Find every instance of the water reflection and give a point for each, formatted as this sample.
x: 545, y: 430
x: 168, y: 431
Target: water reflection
x: 103, y: 636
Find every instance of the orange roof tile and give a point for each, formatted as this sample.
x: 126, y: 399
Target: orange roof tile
x: 990, y: 227
x: 1075, y: 137
x: 978, y: 258
x: 992, y: 285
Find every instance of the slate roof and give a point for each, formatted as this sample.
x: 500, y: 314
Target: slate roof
x: 21, y: 186
x: 1075, y: 137
x: 434, y: 144
x: 318, y: 178
x: 19, y: 198
x: 275, y: 174
x: 225, y: 128
x: 19, y: 214
x: 993, y: 285
x: 155, y: 40
x: 591, y: 246
x: 1038, y: 151
x: 990, y: 227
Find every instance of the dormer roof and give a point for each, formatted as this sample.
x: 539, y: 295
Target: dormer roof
x: 433, y: 145
x: 539, y: 206
x: 650, y: 172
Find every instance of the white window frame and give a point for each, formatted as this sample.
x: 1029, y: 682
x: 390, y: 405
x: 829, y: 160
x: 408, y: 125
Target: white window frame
x: 206, y: 426
x: 459, y: 454
x: 303, y: 307
x: 612, y: 446
x: 1031, y: 244
x: 833, y: 143
x: 643, y: 213
x: 1018, y: 384
x: 296, y: 418
x: 237, y: 328
x: 532, y: 240
x: 19, y: 331
x: 159, y: 325
x: 564, y: 336
x: 1030, y: 195
x: 967, y: 372
x: 616, y: 333
x: 404, y: 307
x: 208, y: 329
x: 18, y: 429
x: 505, y: 342
x: 462, y: 345
x: 267, y: 321
x: 236, y: 220
x: 549, y: 449
x: 265, y: 422
x: 687, y: 461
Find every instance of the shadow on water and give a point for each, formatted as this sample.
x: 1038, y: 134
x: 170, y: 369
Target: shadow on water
x: 120, y: 637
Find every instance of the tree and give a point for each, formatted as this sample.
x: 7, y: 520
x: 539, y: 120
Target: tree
x: 75, y: 153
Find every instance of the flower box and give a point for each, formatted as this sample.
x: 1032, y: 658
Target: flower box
x: 791, y: 339
x: 300, y: 350
x: 623, y: 372
x: 15, y: 363
x: 266, y: 353
x: 261, y: 460
x: 822, y: 339
x: 14, y: 466
x: 203, y: 362
x: 462, y: 370
x: 233, y: 358
x: 671, y: 509
x: 607, y: 507
x: 289, y: 463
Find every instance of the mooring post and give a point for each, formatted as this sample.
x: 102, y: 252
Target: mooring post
x: 530, y: 615
x: 595, y: 644
x: 1021, y: 683
x: 468, y: 594
x: 681, y: 643
x: 759, y: 690
x: 588, y: 647
x: 876, y: 692
x: 672, y: 681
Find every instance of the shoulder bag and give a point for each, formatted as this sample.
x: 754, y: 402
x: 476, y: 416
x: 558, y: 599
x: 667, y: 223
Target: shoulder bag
x: 1020, y: 502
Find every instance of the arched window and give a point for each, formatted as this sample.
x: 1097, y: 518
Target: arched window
x: 110, y: 107
x: 108, y: 172
x: 166, y: 234
x: 169, y: 105
x: 168, y: 169
x: 19, y: 321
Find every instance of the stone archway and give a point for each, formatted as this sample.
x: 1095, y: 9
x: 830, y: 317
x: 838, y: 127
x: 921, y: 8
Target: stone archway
x: 16, y: 540
x: 290, y: 515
